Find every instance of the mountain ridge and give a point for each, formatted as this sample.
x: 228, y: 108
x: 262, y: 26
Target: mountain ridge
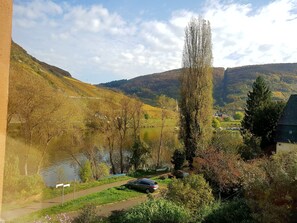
x: 230, y: 89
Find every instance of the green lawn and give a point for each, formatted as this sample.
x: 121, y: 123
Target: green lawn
x: 104, y: 197
x: 231, y: 124
x: 161, y: 182
x: 53, y: 192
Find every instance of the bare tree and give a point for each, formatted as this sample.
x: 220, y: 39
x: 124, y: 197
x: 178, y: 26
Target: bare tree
x: 33, y: 102
x: 122, y: 123
x: 196, y: 87
x: 164, y: 103
x: 136, y: 115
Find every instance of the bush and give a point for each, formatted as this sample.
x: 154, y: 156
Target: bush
x: 102, y: 170
x: 235, y: 211
x: 227, y: 119
x: 12, y: 174
x: 193, y: 192
x: 272, y: 196
x: 88, y: 215
x: 238, y: 116
x: 85, y: 172
x: 251, y: 148
x: 31, y: 185
x: 227, y: 141
x: 155, y: 211
x: 178, y: 159
x: 216, y: 123
x: 222, y: 170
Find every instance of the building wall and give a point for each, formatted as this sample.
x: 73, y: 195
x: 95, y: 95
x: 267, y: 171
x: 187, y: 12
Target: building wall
x: 5, y: 42
x: 285, y: 147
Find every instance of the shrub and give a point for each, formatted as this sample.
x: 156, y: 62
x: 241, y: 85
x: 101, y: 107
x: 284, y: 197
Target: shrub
x: 216, y: 123
x: 31, y: 185
x: 178, y: 159
x: 85, y: 172
x: 222, y: 170
x: 146, y: 116
x: 235, y: 211
x: 140, y: 153
x: 102, y: 170
x: 11, y: 174
x: 88, y: 215
x: 272, y: 196
x: 227, y: 141
x: 155, y: 211
x: 193, y: 192
x: 251, y: 148
x: 227, y: 119
x: 238, y: 116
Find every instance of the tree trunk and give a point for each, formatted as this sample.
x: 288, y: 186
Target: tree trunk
x: 161, y: 140
x: 111, y: 156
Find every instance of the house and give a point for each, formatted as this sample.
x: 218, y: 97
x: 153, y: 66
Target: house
x: 286, y: 132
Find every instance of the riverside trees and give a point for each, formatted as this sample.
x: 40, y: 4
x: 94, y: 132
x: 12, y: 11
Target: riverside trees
x: 196, y: 88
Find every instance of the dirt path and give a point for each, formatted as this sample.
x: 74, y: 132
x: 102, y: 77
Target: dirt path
x: 107, y: 209
x: 36, y: 206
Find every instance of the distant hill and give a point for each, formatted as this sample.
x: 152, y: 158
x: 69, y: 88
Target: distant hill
x: 230, y: 86
x: 149, y: 87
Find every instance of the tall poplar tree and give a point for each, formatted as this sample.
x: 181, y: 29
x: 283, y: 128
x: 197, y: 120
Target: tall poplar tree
x: 196, y: 88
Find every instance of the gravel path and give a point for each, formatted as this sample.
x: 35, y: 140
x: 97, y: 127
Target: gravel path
x: 36, y: 206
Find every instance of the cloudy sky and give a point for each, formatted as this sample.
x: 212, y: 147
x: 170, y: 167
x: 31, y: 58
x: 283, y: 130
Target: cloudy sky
x: 104, y: 40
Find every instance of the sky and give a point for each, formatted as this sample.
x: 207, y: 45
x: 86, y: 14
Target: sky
x: 99, y: 41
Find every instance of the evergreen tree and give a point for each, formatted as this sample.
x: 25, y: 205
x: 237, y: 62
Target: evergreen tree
x: 257, y: 99
x: 178, y: 159
x: 140, y: 153
x: 196, y: 88
x: 261, y: 115
x: 265, y: 122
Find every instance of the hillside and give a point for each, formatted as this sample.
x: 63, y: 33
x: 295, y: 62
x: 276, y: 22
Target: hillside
x: 230, y: 86
x: 148, y: 87
x: 24, y: 66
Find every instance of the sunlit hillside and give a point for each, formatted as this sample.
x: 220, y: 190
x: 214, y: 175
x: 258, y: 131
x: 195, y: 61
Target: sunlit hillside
x: 25, y: 66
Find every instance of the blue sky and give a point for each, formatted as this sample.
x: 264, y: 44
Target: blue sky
x: 104, y: 40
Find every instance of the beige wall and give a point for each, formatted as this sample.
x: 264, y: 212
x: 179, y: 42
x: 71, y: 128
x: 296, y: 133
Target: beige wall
x: 5, y: 43
x: 285, y: 147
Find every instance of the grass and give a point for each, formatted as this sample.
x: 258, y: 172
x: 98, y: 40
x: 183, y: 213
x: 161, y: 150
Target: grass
x: 164, y: 182
x: 49, y: 193
x: 104, y: 197
x: 53, y: 192
x: 231, y: 124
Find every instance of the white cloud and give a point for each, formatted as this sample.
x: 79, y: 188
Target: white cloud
x: 98, y: 45
x: 242, y: 36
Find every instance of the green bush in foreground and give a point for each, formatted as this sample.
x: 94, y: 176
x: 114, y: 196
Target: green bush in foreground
x: 236, y: 211
x: 193, y: 192
x: 155, y: 211
x: 88, y: 215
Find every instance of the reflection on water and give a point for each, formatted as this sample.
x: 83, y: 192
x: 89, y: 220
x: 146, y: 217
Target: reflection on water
x: 67, y: 170
x: 62, y: 171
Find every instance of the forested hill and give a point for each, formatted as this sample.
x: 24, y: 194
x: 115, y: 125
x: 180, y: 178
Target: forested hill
x: 149, y: 87
x: 230, y: 86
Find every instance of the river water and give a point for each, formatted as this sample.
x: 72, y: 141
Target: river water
x: 62, y: 171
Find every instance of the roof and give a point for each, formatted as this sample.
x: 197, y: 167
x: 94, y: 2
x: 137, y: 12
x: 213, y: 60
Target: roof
x: 287, y: 126
x: 289, y: 115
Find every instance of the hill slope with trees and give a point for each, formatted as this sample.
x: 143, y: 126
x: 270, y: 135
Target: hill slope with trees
x: 230, y: 86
